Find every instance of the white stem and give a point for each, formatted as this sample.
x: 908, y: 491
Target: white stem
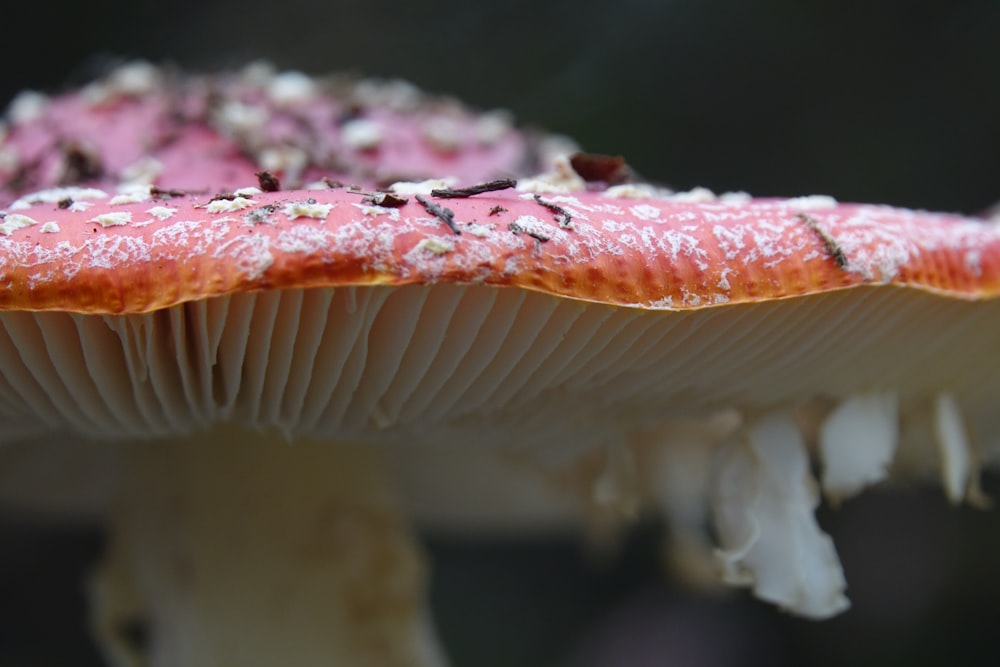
x: 241, y: 550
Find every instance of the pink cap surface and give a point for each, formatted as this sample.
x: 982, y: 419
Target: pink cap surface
x: 119, y: 255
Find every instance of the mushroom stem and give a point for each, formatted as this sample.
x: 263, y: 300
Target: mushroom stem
x: 234, y: 549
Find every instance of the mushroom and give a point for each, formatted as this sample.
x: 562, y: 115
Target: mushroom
x: 257, y: 362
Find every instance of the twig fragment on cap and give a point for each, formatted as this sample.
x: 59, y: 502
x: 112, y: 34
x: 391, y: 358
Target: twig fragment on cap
x: 472, y: 190
x: 534, y: 233
x: 387, y: 199
x: 445, y: 215
x: 831, y: 244
x: 170, y: 193
x: 562, y: 215
x: 268, y: 182
x: 594, y: 168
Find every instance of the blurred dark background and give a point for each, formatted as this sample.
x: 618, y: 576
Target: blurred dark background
x: 894, y: 102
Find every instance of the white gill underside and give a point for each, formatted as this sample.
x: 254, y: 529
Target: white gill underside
x: 476, y: 364
x: 878, y: 369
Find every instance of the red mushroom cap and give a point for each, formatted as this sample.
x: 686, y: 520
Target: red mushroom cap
x: 657, y: 253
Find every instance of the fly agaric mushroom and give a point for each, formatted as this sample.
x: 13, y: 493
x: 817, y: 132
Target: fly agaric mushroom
x: 256, y: 360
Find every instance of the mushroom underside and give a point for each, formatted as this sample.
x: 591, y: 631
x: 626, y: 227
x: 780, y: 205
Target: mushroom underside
x: 716, y: 413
